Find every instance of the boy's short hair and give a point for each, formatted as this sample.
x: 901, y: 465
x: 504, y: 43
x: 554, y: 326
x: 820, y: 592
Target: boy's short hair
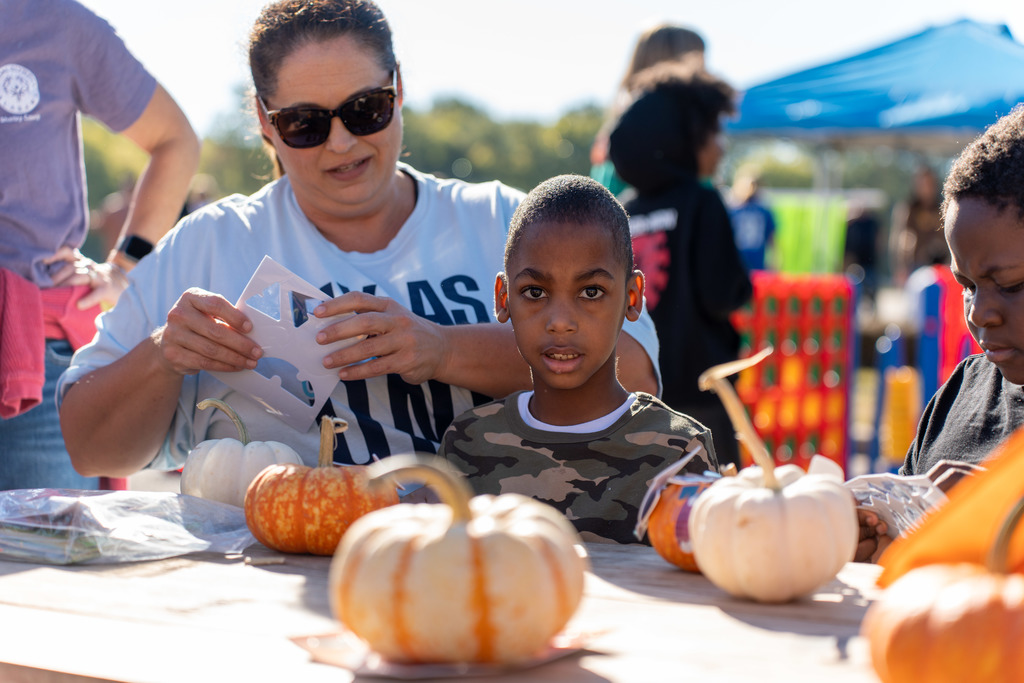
x: 992, y: 167
x: 572, y: 199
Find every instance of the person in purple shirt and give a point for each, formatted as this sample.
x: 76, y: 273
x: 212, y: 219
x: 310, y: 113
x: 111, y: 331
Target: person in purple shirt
x: 58, y: 61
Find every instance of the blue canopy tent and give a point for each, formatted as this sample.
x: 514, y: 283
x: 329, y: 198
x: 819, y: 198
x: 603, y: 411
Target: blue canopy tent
x: 930, y: 92
x: 934, y: 91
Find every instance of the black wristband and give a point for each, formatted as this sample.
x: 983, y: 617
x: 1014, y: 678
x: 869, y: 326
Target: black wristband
x: 134, y: 247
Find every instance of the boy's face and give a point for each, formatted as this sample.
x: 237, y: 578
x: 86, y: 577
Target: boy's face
x: 567, y: 296
x: 987, y: 250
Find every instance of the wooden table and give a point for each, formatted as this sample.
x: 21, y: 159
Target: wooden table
x: 205, y: 618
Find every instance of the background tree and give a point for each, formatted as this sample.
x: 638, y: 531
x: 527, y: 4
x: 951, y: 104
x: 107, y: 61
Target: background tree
x: 458, y: 139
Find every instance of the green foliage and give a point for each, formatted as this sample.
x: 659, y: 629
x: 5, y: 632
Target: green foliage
x: 233, y: 152
x: 111, y: 160
x: 781, y: 165
x: 238, y: 166
x: 456, y: 139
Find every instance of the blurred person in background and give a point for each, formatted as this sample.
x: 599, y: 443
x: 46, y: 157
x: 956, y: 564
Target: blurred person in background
x: 753, y: 225
x: 107, y: 222
x: 860, y: 250
x: 657, y: 44
x: 682, y: 237
x: 916, y: 238
x: 59, y: 61
x: 203, y: 190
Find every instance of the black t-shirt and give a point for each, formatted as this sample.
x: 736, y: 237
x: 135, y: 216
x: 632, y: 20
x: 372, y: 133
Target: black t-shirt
x: 974, y: 411
x: 695, y: 279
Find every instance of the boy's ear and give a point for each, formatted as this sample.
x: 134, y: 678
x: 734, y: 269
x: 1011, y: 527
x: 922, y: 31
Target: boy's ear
x: 501, y: 298
x: 634, y: 295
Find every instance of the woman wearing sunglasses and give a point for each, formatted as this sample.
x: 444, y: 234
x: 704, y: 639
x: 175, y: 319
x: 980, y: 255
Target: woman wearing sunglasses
x: 414, y: 256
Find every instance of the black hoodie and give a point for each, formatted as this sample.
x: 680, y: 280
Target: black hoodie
x: 682, y: 241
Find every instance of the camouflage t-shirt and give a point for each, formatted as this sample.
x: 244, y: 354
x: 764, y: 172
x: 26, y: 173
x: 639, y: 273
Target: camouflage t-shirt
x: 598, y: 480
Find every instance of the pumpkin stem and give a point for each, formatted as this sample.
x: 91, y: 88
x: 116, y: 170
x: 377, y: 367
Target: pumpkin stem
x: 330, y: 427
x: 437, y: 473
x: 243, y: 433
x: 714, y: 378
x: 997, y: 557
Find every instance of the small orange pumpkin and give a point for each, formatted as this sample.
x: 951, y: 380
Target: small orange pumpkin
x: 668, y: 529
x: 299, y: 509
x: 949, y: 623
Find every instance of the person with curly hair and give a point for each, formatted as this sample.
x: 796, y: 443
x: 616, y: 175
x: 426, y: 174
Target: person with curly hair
x: 983, y: 219
x: 662, y: 146
x: 663, y: 43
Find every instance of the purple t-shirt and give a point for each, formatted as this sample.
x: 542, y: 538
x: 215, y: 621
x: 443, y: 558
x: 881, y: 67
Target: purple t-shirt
x: 57, y: 59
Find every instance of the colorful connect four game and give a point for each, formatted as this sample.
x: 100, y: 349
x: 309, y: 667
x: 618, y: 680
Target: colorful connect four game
x: 799, y: 397
x: 944, y: 339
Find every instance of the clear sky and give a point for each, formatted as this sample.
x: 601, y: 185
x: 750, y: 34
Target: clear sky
x: 534, y: 59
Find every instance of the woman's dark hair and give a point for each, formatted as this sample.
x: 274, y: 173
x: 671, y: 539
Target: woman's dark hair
x: 286, y: 25
x: 992, y: 167
x: 573, y: 200
x: 703, y: 98
x: 659, y: 136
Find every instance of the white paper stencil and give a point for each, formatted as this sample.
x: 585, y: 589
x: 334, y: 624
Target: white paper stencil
x: 290, y: 380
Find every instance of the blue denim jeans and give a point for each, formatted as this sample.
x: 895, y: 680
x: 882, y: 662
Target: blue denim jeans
x: 32, y: 452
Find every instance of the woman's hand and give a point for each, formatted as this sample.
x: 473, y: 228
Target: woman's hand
x: 874, y: 536
x: 205, y: 332
x: 396, y: 340
x: 106, y: 280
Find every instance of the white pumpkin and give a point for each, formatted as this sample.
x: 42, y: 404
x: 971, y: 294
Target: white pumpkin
x: 221, y: 469
x: 770, y: 533
x: 473, y: 579
x: 773, y: 544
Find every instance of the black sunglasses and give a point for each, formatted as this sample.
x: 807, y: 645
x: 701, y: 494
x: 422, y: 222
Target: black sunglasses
x: 364, y: 114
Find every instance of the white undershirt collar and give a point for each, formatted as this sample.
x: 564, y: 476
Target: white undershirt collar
x: 590, y: 427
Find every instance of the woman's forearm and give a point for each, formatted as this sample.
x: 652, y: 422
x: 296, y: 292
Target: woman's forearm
x: 115, y: 419
x: 634, y: 368
x: 484, y: 358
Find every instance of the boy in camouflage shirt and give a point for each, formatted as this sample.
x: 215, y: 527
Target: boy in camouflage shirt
x: 578, y: 441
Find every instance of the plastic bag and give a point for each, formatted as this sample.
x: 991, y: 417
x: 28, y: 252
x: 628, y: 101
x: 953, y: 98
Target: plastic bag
x: 69, y: 526
x: 900, y: 501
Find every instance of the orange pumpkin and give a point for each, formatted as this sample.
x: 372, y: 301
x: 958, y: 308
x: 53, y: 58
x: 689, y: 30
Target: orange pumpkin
x: 472, y: 579
x: 668, y: 529
x: 952, y: 622
x: 299, y: 509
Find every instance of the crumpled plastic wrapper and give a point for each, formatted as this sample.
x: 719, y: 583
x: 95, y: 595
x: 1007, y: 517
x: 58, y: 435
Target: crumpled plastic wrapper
x: 69, y: 526
x: 900, y: 501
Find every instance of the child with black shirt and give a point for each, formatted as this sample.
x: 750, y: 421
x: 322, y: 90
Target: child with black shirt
x: 982, y: 402
x: 663, y: 145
